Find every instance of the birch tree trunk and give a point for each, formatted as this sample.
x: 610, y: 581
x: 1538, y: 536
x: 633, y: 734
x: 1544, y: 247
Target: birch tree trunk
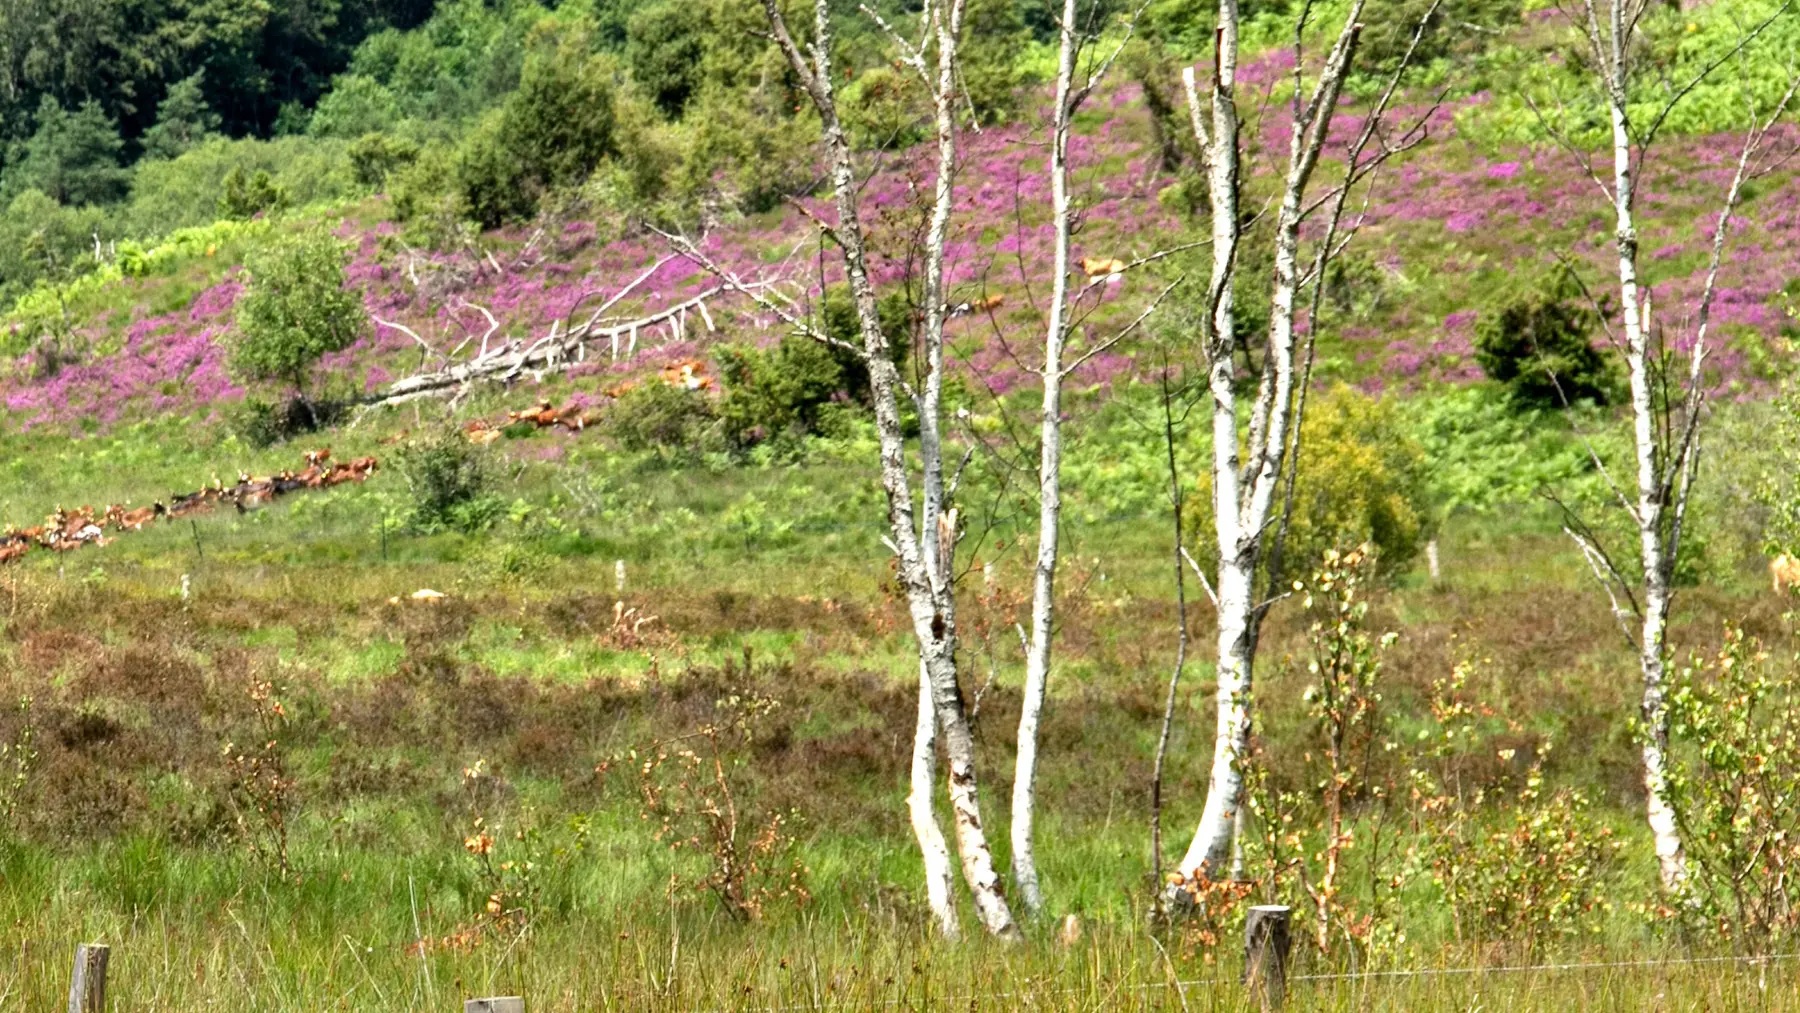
x: 1043, y: 585
x: 1244, y: 494
x: 923, y: 542
x: 940, y: 884
x: 1654, y: 553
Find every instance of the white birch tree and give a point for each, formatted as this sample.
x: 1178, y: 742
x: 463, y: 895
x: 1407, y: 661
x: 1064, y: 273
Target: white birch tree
x: 921, y: 530
x: 1666, y: 410
x: 1252, y: 478
x: 1073, y: 87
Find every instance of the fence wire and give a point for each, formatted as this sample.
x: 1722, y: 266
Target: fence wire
x: 969, y: 1000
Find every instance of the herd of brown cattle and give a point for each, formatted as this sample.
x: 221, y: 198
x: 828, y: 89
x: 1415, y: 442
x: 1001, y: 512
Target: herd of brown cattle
x: 67, y: 530
x: 542, y: 415
x: 687, y: 374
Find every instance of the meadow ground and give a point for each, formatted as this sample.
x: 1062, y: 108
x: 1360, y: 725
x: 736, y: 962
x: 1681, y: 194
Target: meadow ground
x: 145, y: 809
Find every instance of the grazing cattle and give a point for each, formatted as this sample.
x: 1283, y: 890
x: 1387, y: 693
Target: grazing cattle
x: 133, y: 520
x: 66, y: 530
x: 689, y: 374
x: 1784, y: 573
x: 1102, y: 267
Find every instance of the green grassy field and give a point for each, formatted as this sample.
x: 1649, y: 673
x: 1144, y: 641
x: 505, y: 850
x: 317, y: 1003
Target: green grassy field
x: 141, y: 817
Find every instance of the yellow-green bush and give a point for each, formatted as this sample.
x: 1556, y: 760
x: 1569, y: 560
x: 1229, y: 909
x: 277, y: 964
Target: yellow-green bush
x: 1362, y: 479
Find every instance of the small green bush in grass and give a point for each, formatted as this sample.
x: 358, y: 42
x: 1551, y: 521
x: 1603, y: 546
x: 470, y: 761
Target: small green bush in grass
x: 375, y: 157
x: 450, y: 480
x: 658, y: 416
x: 885, y: 109
x: 250, y: 194
x: 781, y: 391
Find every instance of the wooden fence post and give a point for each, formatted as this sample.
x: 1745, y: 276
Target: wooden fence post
x: 1266, y: 945
x: 498, y: 1004
x: 87, y: 986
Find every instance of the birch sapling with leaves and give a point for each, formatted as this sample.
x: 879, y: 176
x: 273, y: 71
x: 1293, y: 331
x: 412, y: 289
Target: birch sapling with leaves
x: 1666, y: 413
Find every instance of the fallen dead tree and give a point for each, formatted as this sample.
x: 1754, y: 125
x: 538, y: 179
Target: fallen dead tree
x: 562, y: 347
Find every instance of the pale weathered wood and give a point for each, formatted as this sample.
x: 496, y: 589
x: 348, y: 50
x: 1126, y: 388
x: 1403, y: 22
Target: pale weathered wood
x: 496, y: 1004
x: 87, y: 986
x: 1267, y: 940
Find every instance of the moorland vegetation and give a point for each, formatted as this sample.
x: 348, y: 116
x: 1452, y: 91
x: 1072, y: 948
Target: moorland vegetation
x: 646, y: 742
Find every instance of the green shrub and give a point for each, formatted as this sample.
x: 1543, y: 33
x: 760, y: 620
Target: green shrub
x: 187, y: 191
x: 781, y: 391
x: 840, y: 319
x: 262, y: 423
x: 355, y: 106
x: 658, y: 416
x: 491, y: 180
x: 1735, y: 720
x: 1362, y: 480
x: 43, y: 241
x: 885, y: 108
x: 247, y: 195
x: 993, y: 37
x: 752, y: 154
x: 375, y: 157
x: 505, y: 562
x: 449, y: 479
x: 665, y: 49
x: 427, y: 198
x: 1540, y: 346
x: 1457, y: 27
x: 295, y: 309
x: 1550, y: 89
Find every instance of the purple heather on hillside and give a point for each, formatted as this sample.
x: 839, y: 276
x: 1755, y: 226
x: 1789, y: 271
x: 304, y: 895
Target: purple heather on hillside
x: 1451, y: 229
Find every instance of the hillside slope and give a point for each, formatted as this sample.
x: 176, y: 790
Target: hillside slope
x: 1450, y: 231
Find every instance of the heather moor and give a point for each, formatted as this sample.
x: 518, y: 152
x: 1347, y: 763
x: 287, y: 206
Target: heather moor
x: 928, y: 504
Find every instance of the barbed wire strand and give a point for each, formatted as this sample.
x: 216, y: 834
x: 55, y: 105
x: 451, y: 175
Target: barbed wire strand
x: 1184, y: 986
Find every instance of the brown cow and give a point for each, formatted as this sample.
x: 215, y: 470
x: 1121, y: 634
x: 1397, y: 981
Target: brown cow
x: 1784, y: 573
x: 1099, y: 267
